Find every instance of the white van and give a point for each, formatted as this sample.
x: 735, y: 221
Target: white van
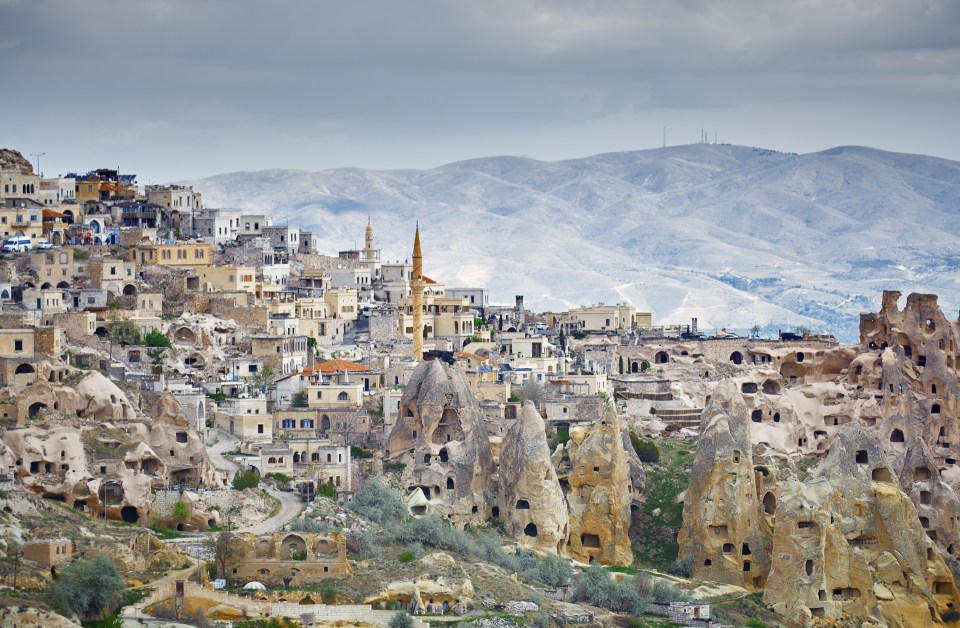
x: 16, y: 244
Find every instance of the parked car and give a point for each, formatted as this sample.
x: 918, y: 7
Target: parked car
x: 43, y: 245
x: 17, y: 244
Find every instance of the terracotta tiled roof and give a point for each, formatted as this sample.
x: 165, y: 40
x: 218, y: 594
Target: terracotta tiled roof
x: 334, y: 366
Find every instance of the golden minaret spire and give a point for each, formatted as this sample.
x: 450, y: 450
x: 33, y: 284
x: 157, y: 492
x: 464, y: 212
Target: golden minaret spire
x: 416, y: 284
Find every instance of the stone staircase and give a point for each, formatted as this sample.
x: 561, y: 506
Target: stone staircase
x: 684, y: 417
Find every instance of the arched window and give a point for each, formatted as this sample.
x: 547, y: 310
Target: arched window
x: 342, y: 396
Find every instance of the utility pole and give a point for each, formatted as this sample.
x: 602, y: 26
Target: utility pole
x: 38, y: 156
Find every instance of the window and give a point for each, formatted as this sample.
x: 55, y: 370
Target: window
x: 342, y: 396
x: 288, y: 423
x: 18, y: 345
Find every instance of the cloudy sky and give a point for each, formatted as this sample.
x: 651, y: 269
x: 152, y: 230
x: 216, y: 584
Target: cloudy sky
x: 177, y: 89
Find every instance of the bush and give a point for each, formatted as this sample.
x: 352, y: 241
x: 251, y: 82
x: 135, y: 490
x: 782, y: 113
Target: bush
x: 681, y: 566
x: 310, y: 526
x: 327, y: 490
x: 646, y: 450
x: 407, y: 556
x: 246, y: 479
x: 753, y: 622
x: 401, y: 620
x: 657, y: 589
x: 378, y: 503
x: 598, y: 588
x: 89, y: 588
x: 644, y: 366
x: 299, y: 400
x: 360, y: 452
x: 432, y: 532
x: 554, y: 571
x: 362, y: 544
x: 279, y: 478
x: 181, y: 512
x: 156, y: 338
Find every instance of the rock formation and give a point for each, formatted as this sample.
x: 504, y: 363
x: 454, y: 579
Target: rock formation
x: 594, y: 468
x: 864, y: 534
x: 439, y: 433
x: 532, y: 504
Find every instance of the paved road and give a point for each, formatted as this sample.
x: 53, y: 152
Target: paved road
x: 290, y: 504
x: 290, y: 507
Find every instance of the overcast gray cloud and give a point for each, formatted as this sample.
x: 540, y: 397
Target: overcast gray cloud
x: 181, y: 89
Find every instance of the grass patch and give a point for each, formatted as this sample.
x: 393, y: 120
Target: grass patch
x: 165, y: 534
x: 654, y: 536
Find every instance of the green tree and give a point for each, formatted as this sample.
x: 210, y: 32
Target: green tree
x: 264, y: 377
x: 89, y: 588
x: 299, y: 400
x: 246, y: 479
x: 156, y: 338
x: 122, y: 331
x: 563, y: 340
x: 531, y: 390
x: 156, y: 356
x: 181, y: 512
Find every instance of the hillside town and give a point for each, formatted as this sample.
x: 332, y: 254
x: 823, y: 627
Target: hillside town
x: 249, y: 427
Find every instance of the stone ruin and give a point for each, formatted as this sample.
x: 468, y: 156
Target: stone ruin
x: 828, y: 479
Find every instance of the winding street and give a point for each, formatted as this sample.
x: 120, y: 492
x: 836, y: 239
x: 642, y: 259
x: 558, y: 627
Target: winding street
x: 290, y: 504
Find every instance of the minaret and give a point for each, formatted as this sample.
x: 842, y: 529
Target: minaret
x: 368, y: 251
x: 416, y: 284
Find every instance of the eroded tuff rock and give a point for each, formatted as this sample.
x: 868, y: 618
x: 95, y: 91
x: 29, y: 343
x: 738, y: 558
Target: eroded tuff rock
x: 722, y: 511
x: 595, y: 467
x: 439, y: 433
x: 848, y: 543
x: 532, y: 504
x: 87, y: 447
x: 93, y: 397
x: 864, y: 534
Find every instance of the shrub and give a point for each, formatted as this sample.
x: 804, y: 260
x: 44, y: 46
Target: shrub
x: 156, y: 338
x: 360, y: 452
x: 553, y: 571
x: 753, y: 622
x: 89, y: 588
x: 310, y: 526
x: 362, y: 544
x: 432, y: 532
x: 378, y: 503
x: 407, y: 556
x: 396, y: 467
x: 246, y: 479
x: 646, y: 450
x: 181, y: 512
x: 327, y: 490
x: 598, y: 588
x: 657, y: 589
x: 279, y: 478
x: 299, y: 400
x: 681, y: 566
x: 401, y: 620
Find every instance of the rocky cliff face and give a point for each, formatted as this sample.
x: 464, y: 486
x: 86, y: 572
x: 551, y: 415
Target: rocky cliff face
x: 532, y: 505
x: 594, y: 468
x: 828, y: 477
x: 85, y: 445
x: 439, y: 433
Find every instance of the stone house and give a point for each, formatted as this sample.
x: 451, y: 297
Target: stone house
x: 287, y: 559
x: 49, y: 552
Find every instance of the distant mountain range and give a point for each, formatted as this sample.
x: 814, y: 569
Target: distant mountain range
x: 732, y: 235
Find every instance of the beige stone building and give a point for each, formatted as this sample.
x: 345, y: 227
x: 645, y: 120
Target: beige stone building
x: 49, y: 552
x: 287, y: 559
x: 177, y: 254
